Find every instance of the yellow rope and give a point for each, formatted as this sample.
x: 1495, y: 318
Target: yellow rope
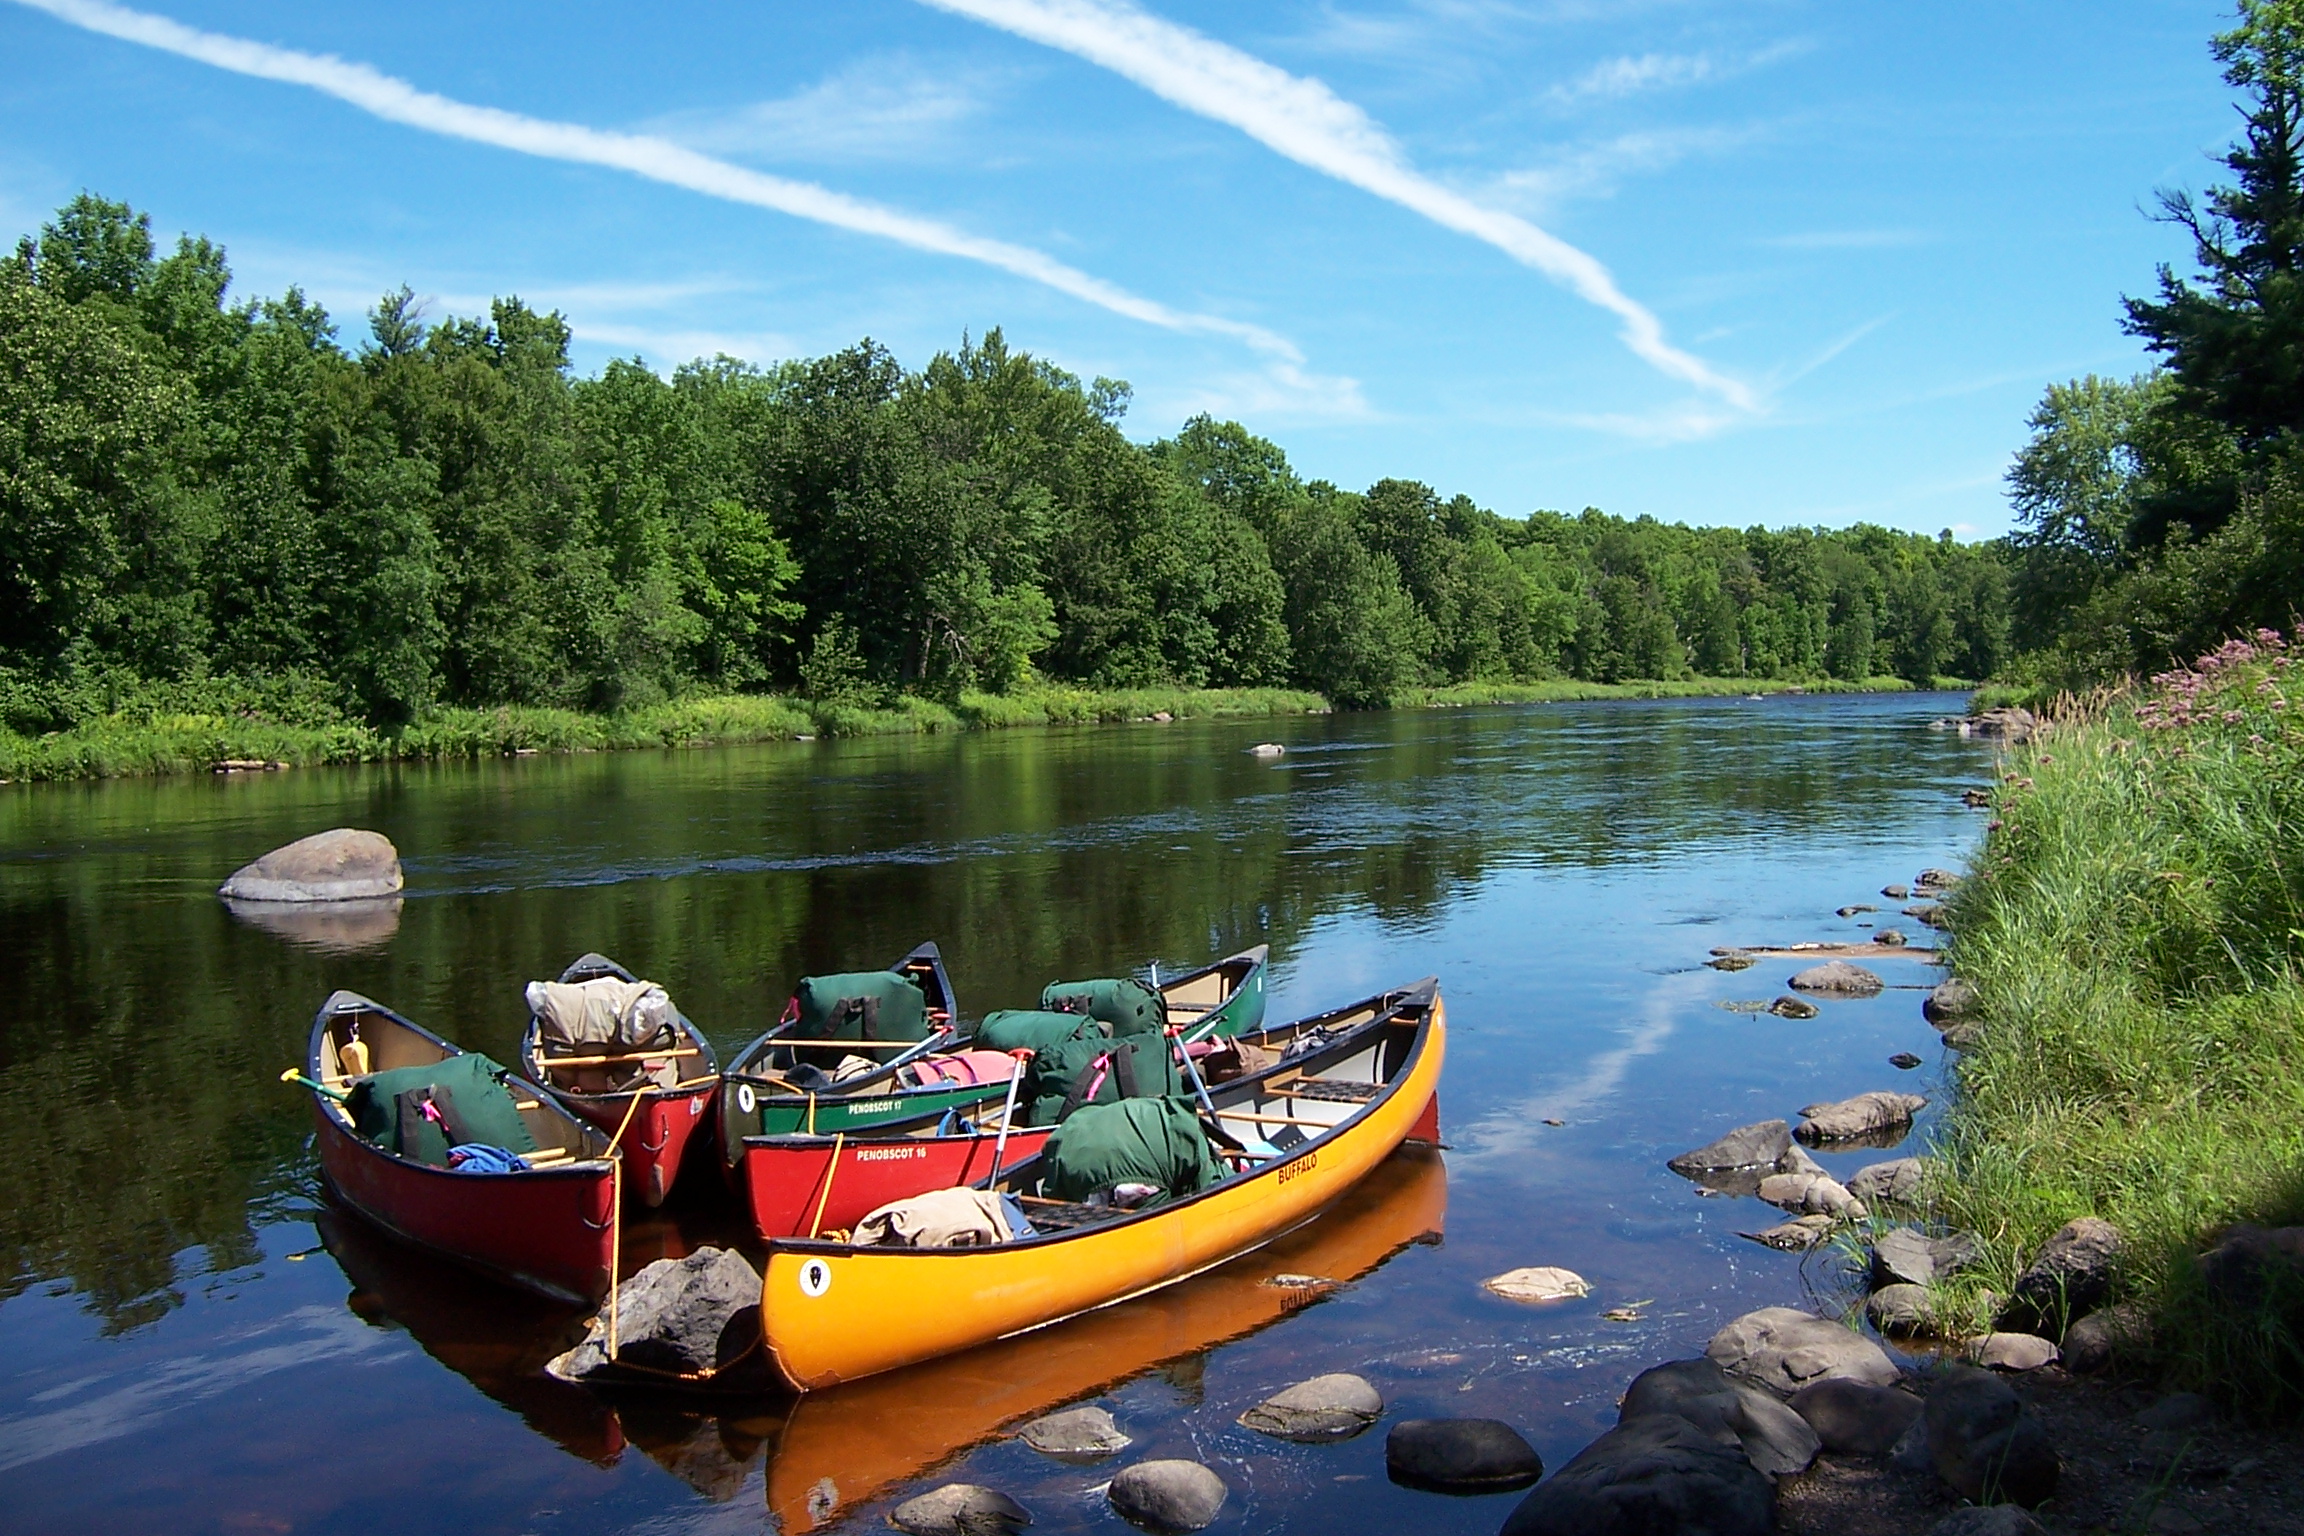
x: 616, y: 1215
x: 811, y: 1111
x: 817, y: 1220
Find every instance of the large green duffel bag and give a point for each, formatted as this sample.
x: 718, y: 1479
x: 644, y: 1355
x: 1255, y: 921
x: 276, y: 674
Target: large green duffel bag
x: 859, y: 1005
x: 1033, y: 1029
x: 467, y: 1091
x: 1062, y: 1077
x: 1136, y: 1141
x: 1123, y: 1002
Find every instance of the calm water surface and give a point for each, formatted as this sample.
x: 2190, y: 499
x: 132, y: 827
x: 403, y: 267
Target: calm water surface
x: 190, y: 1336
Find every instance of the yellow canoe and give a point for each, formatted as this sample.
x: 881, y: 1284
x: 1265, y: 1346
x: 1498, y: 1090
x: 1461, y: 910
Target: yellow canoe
x: 831, y: 1313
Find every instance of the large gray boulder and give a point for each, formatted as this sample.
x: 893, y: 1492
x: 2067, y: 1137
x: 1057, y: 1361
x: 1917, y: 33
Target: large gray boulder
x: 1950, y: 1002
x: 1855, y: 1418
x: 1984, y: 1444
x: 1334, y: 1407
x: 1908, y: 1256
x: 2071, y: 1278
x: 2105, y: 1336
x: 1460, y: 1456
x: 1777, y: 1441
x: 342, y: 865
x: 1866, y: 1117
x: 1167, y: 1495
x: 1837, y: 978
x: 1758, y: 1145
x: 960, y: 1509
x: 1657, y: 1475
x: 1783, y: 1350
x: 690, y: 1316
x: 1895, y: 1182
x: 1901, y: 1311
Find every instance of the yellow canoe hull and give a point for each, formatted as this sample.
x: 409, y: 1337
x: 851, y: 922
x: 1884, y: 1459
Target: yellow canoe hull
x: 832, y: 1314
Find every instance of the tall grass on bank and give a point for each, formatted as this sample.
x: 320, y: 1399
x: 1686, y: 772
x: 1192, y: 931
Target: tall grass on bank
x: 2135, y: 930
x: 151, y: 741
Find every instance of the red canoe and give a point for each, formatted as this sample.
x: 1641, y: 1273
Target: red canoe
x: 800, y: 1185
x: 667, y: 1119
x: 550, y: 1228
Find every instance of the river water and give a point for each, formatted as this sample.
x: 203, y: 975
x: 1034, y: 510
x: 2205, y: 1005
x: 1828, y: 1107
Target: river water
x: 190, y: 1337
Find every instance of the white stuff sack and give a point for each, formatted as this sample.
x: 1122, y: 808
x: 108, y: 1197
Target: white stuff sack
x: 942, y: 1218
x: 601, y: 1012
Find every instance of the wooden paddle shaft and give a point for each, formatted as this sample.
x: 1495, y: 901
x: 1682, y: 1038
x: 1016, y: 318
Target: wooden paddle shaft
x: 553, y: 1062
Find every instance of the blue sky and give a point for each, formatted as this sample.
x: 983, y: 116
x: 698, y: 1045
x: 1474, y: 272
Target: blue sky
x: 1774, y: 262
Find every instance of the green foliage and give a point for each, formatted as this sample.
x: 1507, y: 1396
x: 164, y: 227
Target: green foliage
x: 2135, y: 930
x: 443, y: 522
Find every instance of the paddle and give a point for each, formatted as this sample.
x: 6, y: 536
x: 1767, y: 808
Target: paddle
x: 294, y: 1076
x: 1008, y: 1112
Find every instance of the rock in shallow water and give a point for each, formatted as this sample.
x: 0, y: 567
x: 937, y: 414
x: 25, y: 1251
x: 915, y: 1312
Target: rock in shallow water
x: 1794, y: 1236
x: 689, y: 1316
x: 1864, y: 1117
x: 1167, y: 1495
x: 1908, y: 1256
x: 1539, y: 1282
x: 1783, y: 1350
x: 1460, y: 1456
x: 1654, y: 1476
x: 1837, y: 978
x: 1811, y: 1194
x: 1076, y: 1434
x: 1748, y: 1146
x: 1949, y: 1002
x: 1856, y: 1418
x: 1895, y: 1182
x: 341, y: 865
x: 1901, y: 1311
x: 1793, y: 1008
x: 1334, y: 1407
x: 960, y: 1509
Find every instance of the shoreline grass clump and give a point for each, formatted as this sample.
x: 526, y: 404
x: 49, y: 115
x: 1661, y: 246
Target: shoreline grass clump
x: 2135, y: 932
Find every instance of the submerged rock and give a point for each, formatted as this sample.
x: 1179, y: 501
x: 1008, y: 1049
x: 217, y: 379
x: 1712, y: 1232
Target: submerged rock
x: 1856, y: 1418
x: 1949, y: 1002
x: 1540, y: 1282
x: 1935, y: 880
x: 2008, y: 723
x: 690, y: 1317
x: 1651, y: 1476
x: 1075, y: 1434
x: 1334, y: 1407
x: 1168, y: 1495
x: 1796, y: 1236
x: 1837, y: 978
x: 1777, y: 1441
x: 1855, y: 909
x: 1896, y: 892
x: 1904, y: 1061
x: 1783, y: 1350
x: 1893, y: 938
x: 1811, y: 1194
x: 340, y: 865
x: 960, y: 1509
x: 2071, y: 1278
x: 1793, y: 1008
x: 1460, y: 1456
x: 1929, y: 912
x: 1732, y: 961
x: 1985, y: 1445
x: 1864, y: 1117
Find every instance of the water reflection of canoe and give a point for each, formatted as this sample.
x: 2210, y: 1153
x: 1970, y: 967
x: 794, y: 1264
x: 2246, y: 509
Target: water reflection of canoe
x: 549, y: 1228
x: 496, y: 1339
x: 666, y: 1119
x: 841, y: 1447
x: 832, y: 1313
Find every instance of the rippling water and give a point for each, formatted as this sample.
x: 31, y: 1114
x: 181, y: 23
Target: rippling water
x: 188, y: 1336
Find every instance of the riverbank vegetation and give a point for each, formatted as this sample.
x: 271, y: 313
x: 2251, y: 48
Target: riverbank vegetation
x: 224, y: 510
x: 2136, y: 931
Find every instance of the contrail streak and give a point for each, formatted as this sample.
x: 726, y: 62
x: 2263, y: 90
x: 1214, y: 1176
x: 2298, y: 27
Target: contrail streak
x: 1304, y: 120
x: 653, y: 158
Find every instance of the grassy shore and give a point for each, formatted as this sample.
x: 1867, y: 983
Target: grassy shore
x: 2135, y: 929
x: 151, y: 741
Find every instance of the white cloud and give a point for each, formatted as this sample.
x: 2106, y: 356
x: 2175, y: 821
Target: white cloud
x: 1301, y: 118
x: 1612, y: 78
x: 1594, y: 167
x: 655, y: 159
x: 886, y: 108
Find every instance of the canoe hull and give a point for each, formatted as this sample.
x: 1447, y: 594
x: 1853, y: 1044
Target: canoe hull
x: 655, y: 1145
x: 826, y: 1311
x: 786, y: 1177
x: 551, y: 1231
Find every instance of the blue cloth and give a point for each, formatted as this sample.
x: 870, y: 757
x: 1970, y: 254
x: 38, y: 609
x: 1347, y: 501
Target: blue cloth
x: 473, y: 1157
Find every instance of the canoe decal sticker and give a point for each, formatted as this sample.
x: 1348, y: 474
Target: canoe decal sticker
x: 815, y: 1278
x: 746, y: 1100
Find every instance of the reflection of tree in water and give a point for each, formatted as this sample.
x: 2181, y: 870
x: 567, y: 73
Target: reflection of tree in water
x: 143, y: 1030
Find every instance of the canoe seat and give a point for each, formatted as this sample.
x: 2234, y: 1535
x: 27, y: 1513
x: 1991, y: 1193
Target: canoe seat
x: 1335, y: 1092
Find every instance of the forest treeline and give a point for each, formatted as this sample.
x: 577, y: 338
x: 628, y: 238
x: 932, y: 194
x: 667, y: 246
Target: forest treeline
x: 224, y: 504
x: 2161, y: 514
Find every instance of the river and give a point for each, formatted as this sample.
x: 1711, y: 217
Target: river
x: 190, y: 1338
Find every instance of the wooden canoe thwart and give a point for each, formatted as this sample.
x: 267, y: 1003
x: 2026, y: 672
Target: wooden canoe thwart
x: 596, y: 1087
x: 549, y: 1229
x: 799, y: 1185
x: 832, y: 1313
